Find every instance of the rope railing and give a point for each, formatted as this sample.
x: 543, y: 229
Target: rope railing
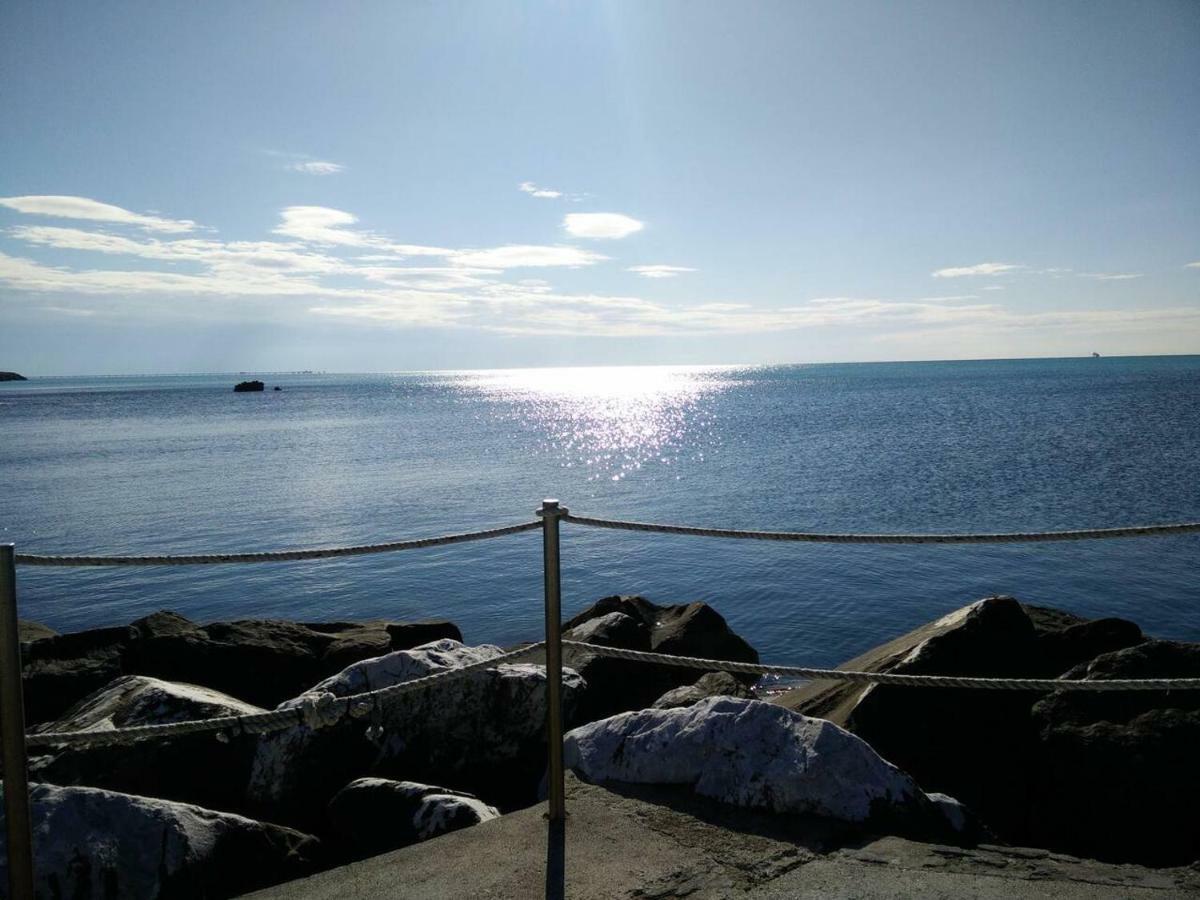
x: 209, y: 559
x: 318, y: 711
x: 951, y: 681
x: 837, y: 538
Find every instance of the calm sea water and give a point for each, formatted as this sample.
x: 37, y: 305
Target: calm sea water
x: 181, y: 464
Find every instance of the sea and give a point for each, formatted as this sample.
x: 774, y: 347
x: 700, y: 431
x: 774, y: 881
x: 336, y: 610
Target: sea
x: 182, y: 464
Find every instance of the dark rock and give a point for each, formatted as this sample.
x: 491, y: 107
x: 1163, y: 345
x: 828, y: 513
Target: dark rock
x: 373, y: 815
x: 61, y: 669
x: 277, y: 388
x: 1106, y: 775
x: 107, y: 844
x: 12, y: 376
x: 28, y: 631
x: 484, y: 731
x: 243, y: 387
x: 263, y: 662
x: 188, y: 768
x: 406, y: 635
x: 634, y: 623
x: 1115, y: 774
x: 714, y: 684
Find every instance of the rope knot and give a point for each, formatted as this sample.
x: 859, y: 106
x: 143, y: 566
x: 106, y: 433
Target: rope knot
x: 321, y: 711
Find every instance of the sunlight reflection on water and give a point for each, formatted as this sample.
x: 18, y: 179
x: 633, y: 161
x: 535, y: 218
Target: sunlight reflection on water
x: 612, y: 420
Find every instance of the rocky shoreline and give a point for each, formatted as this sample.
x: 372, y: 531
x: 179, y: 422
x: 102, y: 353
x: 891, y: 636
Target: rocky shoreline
x: 1110, y: 776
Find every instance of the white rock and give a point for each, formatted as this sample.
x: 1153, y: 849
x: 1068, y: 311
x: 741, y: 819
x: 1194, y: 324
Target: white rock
x: 393, y: 668
x: 376, y: 814
x: 137, y: 700
x: 485, y: 718
x: 95, y: 843
x: 746, y: 753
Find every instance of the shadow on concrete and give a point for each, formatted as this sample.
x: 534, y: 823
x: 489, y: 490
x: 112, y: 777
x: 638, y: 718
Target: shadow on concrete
x: 556, y: 860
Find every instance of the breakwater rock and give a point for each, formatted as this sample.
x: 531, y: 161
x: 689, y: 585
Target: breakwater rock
x: 1105, y: 775
x: 244, y: 387
x: 99, y: 844
x: 12, y: 376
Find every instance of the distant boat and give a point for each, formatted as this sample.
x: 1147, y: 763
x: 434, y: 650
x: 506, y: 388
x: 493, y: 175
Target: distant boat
x: 1095, y: 355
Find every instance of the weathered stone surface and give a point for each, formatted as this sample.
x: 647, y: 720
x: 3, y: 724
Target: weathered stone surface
x: 714, y: 684
x: 751, y: 754
x: 634, y: 623
x: 94, y: 843
x: 483, y: 731
x: 188, y: 768
x: 374, y: 815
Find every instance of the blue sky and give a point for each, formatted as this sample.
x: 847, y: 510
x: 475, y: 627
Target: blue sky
x: 391, y: 186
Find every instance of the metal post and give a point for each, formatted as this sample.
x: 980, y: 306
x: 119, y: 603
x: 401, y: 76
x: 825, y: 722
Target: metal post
x: 550, y: 513
x: 12, y: 736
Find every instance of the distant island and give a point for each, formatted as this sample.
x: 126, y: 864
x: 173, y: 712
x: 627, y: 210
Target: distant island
x: 12, y: 376
x: 244, y: 386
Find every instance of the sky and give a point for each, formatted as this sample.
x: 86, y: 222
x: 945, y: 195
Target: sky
x: 221, y: 186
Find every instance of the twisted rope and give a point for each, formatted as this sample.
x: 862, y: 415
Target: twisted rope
x: 817, y: 537
x: 317, y: 711
x: 203, y: 559
x: 954, y: 681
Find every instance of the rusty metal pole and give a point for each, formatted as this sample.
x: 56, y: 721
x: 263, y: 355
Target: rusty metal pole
x: 550, y: 513
x: 12, y: 736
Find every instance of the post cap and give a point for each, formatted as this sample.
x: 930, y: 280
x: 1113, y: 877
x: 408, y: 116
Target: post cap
x: 550, y: 507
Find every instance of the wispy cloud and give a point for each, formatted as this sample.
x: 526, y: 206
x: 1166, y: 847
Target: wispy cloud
x: 518, y: 256
x: 601, y: 225
x: 987, y: 268
x: 1111, y: 276
x: 1192, y: 265
x: 534, y: 191
x: 322, y: 262
x: 659, y: 271
x: 65, y: 207
x: 316, y: 167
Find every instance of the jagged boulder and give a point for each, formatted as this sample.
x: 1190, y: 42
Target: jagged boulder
x: 634, y: 623
x: 373, y: 815
x: 484, y: 731
x: 196, y: 768
x: 945, y: 737
x: 753, y: 754
x: 95, y: 843
x: 714, y: 684
x: 1114, y: 774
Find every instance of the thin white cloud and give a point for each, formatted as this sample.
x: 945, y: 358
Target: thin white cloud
x: 534, y: 191
x: 324, y: 225
x: 1193, y: 265
x: 601, y: 225
x: 988, y: 268
x: 519, y: 256
x: 1111, y: 276
x: 659, y: 271
x: 65, y: 207
x: 992, y: 287
x: 316, y: 167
